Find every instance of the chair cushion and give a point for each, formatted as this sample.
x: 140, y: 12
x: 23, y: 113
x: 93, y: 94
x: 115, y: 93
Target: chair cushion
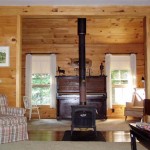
x: 134, y: 108
x: 11, y: 120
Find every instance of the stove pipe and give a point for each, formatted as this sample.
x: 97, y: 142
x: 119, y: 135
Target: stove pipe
x: 82, y: 65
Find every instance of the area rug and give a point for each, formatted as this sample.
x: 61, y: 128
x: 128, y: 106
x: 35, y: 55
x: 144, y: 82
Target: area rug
x: 63, y: 125
x: 65, y: 145
x: 83, y: 136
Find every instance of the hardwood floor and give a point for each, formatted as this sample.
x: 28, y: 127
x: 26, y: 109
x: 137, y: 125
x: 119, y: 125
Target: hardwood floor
x: 48, y: 133
x: 110, y: 136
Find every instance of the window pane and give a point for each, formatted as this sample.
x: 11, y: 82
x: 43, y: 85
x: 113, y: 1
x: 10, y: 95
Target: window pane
x: 124, y: 74
x: 41, y: 95
x: 117, y: 95
x: 40, y: 79
x: 124, y: 81
x: 120, y: 92
x: 115, y: 82
x: 115, y: 74
x: 121, y: 95
x: 40, y: 89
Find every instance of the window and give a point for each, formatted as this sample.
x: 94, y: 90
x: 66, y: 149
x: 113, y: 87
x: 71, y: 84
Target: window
x: 40, y: 79
x: 120, y: 83
x: 119, y: 77
x: 121, y: 73
x: 41, y: 89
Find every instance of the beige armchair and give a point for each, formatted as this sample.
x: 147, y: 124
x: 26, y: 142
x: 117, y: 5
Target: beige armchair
x: 135, y: 107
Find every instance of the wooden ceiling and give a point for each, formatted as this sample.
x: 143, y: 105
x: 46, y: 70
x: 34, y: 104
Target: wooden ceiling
x: 46, y: 31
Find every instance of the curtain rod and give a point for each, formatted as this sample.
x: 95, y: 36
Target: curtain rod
x: 120, y: 53
x: 41, y: 53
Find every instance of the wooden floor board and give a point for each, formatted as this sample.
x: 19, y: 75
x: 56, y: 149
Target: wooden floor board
x: 110, y: 136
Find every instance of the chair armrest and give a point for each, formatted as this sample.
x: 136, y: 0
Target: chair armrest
x: 129, y: 104
x: 16, y: 111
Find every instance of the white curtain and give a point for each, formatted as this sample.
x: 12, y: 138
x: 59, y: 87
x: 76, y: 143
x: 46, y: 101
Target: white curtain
x: 119, y: 62
x: 108, y: 79
x: 28, y: 76
x: 40, y: 64
x: 133, y: 69
x: 53, y: 80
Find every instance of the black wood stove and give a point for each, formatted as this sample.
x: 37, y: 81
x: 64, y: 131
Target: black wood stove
x: 83, y: 116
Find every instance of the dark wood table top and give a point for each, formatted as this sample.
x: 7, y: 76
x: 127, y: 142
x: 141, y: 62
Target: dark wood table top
x: 142, y: 135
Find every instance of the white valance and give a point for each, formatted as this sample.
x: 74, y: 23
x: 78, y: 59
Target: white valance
x: 120, y: 62
x: 40, y: 64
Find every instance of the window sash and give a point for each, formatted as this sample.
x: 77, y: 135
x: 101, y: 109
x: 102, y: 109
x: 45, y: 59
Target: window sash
x: 39, y: 88
x: 120, y: 95
x: 120, y: 83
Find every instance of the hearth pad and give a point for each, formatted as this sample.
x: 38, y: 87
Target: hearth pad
x: 83, y: 136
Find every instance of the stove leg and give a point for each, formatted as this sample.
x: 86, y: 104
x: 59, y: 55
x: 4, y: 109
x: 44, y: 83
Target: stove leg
x: 95, y: 131
x: 71, y: 130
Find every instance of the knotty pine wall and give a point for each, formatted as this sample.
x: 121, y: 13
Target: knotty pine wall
x: 49, y: 29
x: 116, y: 36
x: 8, y: 37
x: 109, y: 35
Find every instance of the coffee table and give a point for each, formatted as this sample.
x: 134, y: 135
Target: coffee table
x: 142, y: 135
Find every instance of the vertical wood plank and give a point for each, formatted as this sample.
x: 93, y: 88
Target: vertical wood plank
x: 8, y: 37
x: 18, y: 61
x: 147, y: 60
x: 147, y: 56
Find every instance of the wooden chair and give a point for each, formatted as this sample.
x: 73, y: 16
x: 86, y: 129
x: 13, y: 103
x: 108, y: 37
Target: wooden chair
x: 33, y: 109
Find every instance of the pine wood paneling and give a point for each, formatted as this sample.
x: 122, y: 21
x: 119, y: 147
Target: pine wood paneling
x: 53, y: 29
x: 107, y: 35
x: 104, y: 35
x: 45, y: 113
x: 116, y: 112
x: 74, y: 11
x: 8, y: 31
x: 64, y: 31
x: 147, y: 56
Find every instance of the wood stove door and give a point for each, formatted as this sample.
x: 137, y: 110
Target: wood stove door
x: 83, y: 116
x: 83, y: 119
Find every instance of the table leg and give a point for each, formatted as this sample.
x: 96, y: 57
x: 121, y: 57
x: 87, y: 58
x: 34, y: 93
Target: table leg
x: 133, y: 141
